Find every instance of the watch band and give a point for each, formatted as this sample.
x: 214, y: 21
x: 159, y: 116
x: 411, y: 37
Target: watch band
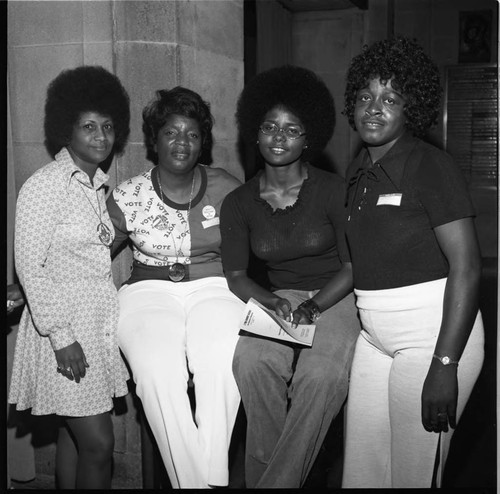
x: 311, y: 306
x: 445, y: 360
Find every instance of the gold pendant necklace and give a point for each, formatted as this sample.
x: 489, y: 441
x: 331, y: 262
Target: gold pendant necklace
x: 177, y: 271
x: 103, y: 232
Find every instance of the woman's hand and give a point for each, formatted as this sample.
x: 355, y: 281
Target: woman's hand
x: 71, y: 361
x: 301, y: 315
x: 15, y: 297
x: 439, y: 397
x: 306, y: 313
x: 283, y: 309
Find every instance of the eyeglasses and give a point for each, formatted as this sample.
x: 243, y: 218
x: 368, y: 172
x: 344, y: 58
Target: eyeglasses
x: 271, y: 129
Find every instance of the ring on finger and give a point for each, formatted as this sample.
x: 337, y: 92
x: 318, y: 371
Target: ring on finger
x: 61, y: 369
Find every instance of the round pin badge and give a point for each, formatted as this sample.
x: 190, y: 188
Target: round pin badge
x: 208, y: 212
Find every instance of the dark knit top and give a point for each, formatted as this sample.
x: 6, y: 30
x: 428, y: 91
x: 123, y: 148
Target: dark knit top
x: 394, y: 204
x: 302, y: 245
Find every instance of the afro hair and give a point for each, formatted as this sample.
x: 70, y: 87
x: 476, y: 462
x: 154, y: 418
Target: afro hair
x: 88, y: 88
x: 178, y: 101
x: 412, y: 72
x: 296, y: 89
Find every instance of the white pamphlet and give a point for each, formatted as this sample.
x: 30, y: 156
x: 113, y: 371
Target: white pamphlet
x: 259, y: 320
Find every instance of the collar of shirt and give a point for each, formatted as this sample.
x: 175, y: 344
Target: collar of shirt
x: 394, y: 160
x: 391, y: 165
x: 69, y: 170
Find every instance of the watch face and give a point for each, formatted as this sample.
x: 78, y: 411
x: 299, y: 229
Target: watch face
x: 445, y: 360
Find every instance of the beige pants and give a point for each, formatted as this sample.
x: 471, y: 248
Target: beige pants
x: 386, y: 443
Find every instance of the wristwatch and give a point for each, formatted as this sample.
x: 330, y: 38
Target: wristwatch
x: 445, y: 360
x: 311, y: 306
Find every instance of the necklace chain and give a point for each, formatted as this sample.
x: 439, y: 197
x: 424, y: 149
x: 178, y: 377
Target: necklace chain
x: 103, y: 232
x: 163, y: 197
x: 98, y: 214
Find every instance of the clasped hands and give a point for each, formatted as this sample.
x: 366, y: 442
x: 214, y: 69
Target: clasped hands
x: 71, y: 362
x: 283, y: 309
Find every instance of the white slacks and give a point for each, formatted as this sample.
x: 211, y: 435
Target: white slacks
x: 386, y: 443
x: 164, y: 329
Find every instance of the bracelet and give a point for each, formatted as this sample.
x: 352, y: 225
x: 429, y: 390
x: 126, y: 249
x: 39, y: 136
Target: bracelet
x: 312, y: 307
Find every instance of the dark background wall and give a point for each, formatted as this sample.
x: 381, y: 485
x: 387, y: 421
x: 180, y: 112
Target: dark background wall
x: 323, y: 35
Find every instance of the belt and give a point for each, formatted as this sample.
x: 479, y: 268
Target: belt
x: 172, y: 272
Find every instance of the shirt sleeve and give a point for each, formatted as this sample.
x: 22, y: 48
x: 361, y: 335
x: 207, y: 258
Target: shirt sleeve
x: 119, y: 222
x: 442, y: 189
x: 37, y: 215
x: 235, y: 237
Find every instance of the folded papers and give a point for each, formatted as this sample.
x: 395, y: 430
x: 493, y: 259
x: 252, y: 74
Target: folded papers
x: 261, y: 321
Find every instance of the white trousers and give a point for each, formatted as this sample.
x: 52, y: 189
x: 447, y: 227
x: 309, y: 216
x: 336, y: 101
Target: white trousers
x: 166, y: 328
x: 386, y: 443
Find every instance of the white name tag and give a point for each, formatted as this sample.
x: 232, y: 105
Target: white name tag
x: 209, y: 223
x: 389, y: 200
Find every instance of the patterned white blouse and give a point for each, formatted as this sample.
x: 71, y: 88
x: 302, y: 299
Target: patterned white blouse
x: 65, y: 271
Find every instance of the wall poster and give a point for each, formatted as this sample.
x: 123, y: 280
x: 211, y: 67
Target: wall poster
x: 475, y: 37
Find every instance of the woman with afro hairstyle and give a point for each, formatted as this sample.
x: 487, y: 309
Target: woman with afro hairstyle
x: 290, y: 216
x: 177, y: 314
x: 67, y: 361
x: 416, y: 265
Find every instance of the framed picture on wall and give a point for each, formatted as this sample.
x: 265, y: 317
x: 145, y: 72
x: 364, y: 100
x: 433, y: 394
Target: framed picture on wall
x: 475, y: 37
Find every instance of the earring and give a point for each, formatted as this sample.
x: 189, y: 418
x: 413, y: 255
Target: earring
x: 257, y: 142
